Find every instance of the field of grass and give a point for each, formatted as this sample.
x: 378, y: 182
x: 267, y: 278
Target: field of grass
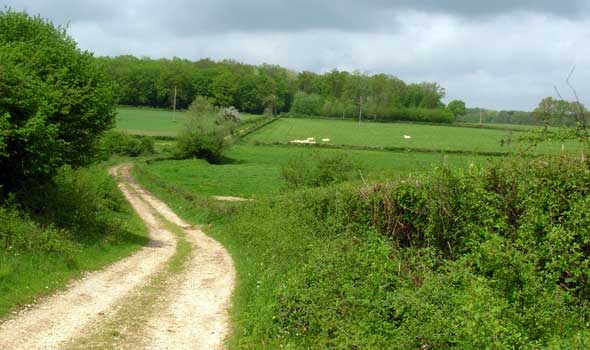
x: 156, y: 122
x: 256, y: 170
x: 429, y: 137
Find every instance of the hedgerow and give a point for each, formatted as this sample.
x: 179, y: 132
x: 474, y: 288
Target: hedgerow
x: 493, y: 258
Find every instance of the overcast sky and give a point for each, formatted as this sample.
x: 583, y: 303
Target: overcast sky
x: 498, y: 54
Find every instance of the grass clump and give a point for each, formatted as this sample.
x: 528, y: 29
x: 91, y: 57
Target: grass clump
x: 319, y: 169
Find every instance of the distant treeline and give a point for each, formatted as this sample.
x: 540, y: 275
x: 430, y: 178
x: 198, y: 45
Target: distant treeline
x: 551, y: 112
x: 273, y: 89
x: 490, y: 116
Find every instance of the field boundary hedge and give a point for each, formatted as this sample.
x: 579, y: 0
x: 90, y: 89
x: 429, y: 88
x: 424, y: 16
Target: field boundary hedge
x: 385, y: 148
x: 266, y: 121
x: 367, y: 120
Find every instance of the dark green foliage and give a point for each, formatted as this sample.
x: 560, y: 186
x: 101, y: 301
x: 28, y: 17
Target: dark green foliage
x: 54, y: 101
x: 205, y: 132
x: 475, y: 259
x: 307, y: 104
x: 314, y: 105
x: 319, y: 170
x: 457, y: 107
x: 434, y: 115
x: 267, y: 88
x: 121, y: 144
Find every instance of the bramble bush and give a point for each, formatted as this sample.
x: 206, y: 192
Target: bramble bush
x: 492, y: 258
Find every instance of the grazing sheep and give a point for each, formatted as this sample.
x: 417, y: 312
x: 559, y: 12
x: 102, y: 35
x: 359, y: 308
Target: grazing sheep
x: 303, y: 142
x: 407, y: 137
x: 325, y: 140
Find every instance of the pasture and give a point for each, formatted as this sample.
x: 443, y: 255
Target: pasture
x: 149, y: 121
x: 392, y: 135
x: 256, y: 170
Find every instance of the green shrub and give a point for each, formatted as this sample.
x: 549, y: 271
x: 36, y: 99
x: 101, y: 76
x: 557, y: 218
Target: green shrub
x: 121, y: 144
x: 55, y: 101
x: 205, y: 132
x: 318, y: 170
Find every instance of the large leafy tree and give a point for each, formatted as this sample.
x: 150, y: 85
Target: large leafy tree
x: 457, y: 107
x: 54, y: 101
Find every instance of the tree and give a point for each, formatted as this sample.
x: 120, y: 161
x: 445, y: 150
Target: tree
x: 458, y: 108
x: 205, y: 132
x: 433, y: 93
x: 223, y: 89
x: 307, y: 104
x: 356, y: 90
x: 55, y: 101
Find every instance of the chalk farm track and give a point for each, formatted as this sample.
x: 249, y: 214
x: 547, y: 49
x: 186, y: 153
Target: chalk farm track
x: 188, y: 311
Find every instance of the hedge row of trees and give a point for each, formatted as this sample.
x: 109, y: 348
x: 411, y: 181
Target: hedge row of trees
x: 490, y: 116
x: 270, y: 88
x: 550, y: 111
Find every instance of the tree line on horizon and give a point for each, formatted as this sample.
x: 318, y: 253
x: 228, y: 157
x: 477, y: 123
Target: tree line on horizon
x: 271, y: 89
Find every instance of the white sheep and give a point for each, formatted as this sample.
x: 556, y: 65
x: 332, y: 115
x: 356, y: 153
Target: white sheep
x: 303, y: 142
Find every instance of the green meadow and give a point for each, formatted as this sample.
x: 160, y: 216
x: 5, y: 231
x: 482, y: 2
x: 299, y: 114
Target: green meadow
x: 256, y: 170
x: 394, y: 135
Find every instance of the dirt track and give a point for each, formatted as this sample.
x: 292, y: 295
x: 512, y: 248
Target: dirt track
x: 193, y: 310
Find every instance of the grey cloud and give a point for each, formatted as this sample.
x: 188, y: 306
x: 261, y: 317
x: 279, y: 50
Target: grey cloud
x: 66, y: 11
x: 497, y: 54
x: 186, y: 17
x: 182, y: 17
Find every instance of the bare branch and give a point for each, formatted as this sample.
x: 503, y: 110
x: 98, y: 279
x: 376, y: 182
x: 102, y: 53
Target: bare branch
x: 582, y: 117
x: 558, y: 93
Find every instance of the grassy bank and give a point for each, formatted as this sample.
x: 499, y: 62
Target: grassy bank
x: 81, y: 223
x: 459, y: 259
